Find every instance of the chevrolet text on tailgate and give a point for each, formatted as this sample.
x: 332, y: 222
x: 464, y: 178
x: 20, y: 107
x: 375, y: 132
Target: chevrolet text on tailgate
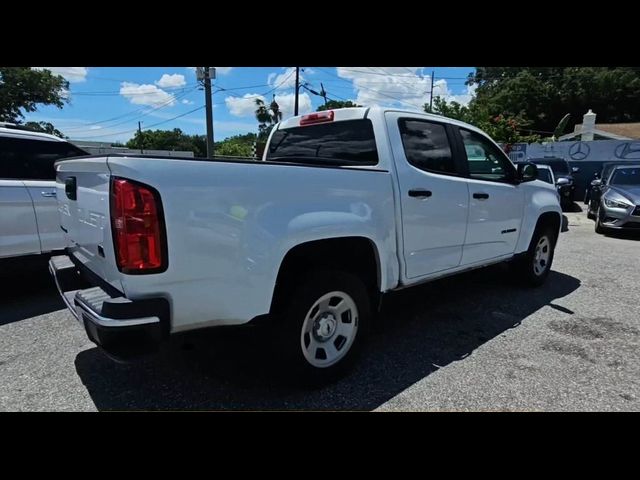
x: 344, y: 206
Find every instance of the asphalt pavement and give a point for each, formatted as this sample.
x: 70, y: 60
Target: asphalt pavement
x: 470, y: 342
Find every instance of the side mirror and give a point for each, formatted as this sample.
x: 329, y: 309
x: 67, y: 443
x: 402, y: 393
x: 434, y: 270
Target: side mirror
x: 575, y: 169
x: 562, y: 181
x: 596, y: 183
x: 527, y: 172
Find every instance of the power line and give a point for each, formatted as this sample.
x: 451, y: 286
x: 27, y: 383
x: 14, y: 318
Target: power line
x: 181, y: 115
x: 145, y: 128
x: 371, y: 89
x: 471, y: 77
x: 224, y: 89
x: 258, y: 95
x: 119, y: 92
x: 148, y: 112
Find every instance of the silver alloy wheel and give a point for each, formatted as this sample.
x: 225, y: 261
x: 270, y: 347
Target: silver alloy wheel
x: 542, y: 255
x: 329, y: 329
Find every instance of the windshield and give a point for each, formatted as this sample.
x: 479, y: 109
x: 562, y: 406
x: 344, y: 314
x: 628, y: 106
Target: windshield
x: 626, y: 176
x: 544, y: 174
x: 559, y: 167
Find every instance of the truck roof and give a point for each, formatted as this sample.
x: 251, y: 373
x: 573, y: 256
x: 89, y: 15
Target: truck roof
x: 28, y: 134
x: 354, y: 113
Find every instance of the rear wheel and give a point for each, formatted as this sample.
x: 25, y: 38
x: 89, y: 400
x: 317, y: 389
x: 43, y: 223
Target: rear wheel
x: 322, y: 326
x: 533, y: 268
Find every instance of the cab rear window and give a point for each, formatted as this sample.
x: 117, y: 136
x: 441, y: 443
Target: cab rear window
x: 344, y: 143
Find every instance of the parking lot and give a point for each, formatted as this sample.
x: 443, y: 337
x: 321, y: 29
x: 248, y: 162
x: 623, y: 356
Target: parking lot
x: 471, y: 342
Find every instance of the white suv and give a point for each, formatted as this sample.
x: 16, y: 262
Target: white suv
x: 29, y: 220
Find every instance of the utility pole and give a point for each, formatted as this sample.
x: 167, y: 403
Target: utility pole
x: 431, y: 94
x: 295, y: 106
x: 140, y: 136
x: 208, y: 73
x: 323, y: 93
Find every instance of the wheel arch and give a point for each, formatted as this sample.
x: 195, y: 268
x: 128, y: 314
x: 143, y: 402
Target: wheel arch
x: 356, y: 254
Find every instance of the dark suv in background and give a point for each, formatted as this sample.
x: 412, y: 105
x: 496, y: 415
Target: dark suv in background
x: 563, y: 173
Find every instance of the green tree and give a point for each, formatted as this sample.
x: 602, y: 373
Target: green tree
x: 174, y: 139
x: 500, y: 127
x: 450, y: 109
x: 236, y: 146
x: 22, y: 88
x: 44, y: 127
x: 335, y: 104
x: 267, y: 117
x: 541, y: 96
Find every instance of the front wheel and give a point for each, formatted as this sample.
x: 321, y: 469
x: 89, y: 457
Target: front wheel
x: 598, y: 226
x: 534, y: 266
x: 323, y: 325
x: 590, y: 214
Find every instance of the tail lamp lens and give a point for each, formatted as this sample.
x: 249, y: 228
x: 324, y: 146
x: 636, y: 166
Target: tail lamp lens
x: 137, y: 229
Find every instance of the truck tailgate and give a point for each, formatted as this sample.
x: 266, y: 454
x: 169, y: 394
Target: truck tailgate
x: 85, y: 219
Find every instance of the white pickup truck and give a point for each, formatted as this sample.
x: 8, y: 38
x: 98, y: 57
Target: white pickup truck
x: 29, y: 220
x: 344, y: 206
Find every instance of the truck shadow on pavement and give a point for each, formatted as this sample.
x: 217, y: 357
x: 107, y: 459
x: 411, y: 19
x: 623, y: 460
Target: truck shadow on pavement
x: 27, y: 289
x: 421, y: 330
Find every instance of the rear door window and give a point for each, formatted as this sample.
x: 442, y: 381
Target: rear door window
x: 344, y: 143
x: 27, y: 159
x: 426, y: 146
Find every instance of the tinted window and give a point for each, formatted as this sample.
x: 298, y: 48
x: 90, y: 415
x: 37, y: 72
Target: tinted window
x: 544, y: 175
x: 485, y: 160
x: 606, y: 172
x: 349, y: 142
x: 626, y: 176
x: 426, y: 145
x: 559, y: 167
x: 26, y: 159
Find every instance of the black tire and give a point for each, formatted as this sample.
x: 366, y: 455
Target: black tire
x: 598, y: 226
x: 590, y: 214
x: 525, y: 268
x: 290, y: 338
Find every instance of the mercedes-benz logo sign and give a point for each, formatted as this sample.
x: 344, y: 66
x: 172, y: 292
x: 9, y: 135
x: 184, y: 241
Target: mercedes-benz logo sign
x: 579, y: 151
x: 628, y: 150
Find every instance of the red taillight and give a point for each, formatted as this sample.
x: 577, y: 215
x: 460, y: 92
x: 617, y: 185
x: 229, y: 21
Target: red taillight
x: 138, y: 233
x: 320, y: 117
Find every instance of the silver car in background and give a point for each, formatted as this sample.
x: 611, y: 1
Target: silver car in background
x: 619, y: 205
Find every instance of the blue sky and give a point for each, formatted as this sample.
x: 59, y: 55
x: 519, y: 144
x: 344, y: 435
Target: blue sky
x: 106, y: 103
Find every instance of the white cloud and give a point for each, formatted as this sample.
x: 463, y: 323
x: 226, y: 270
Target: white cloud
x: 287, y: 79
x: 186, y: 102
x: 171, y: 81
x: 146, y: 94
x: 73, y: 74
x: 286, y: 102
x: 246, y: 106
x: 243, y: 106
x: 398, y: 86
x: 388, y: 85
x: 464, y: 98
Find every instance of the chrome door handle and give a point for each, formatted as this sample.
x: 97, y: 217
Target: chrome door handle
x: 48, y: 194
